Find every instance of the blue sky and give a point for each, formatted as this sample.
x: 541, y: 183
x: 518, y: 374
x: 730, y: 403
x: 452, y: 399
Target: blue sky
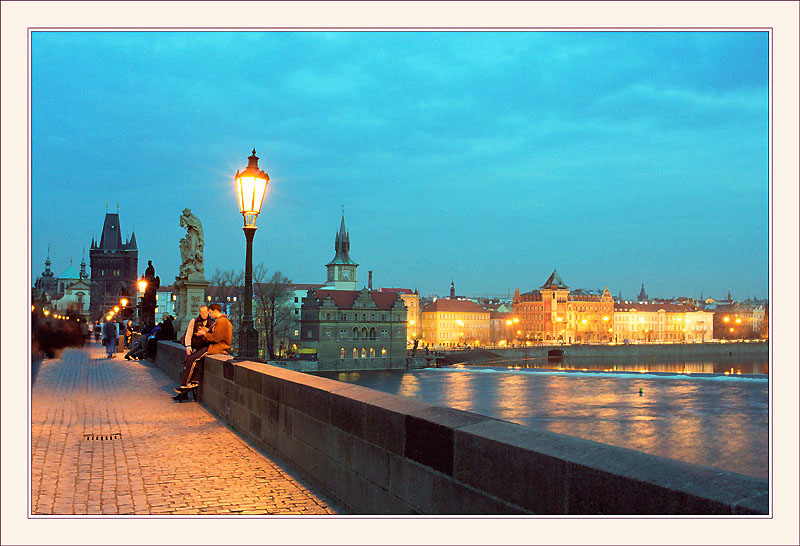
x: 488, y: 158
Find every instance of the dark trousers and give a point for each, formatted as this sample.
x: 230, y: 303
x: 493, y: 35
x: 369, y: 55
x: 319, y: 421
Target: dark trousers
x: 191, y: 365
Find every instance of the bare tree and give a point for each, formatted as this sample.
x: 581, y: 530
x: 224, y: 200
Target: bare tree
x: 271, y: 297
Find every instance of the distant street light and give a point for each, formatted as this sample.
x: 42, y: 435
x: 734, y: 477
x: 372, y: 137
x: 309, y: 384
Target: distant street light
x: 251, y: 186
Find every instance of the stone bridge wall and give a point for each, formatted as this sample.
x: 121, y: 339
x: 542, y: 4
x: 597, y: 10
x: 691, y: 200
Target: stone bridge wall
x: 378, y: 453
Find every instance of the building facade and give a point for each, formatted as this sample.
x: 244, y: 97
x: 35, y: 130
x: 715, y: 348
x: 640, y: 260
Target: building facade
x: 555, y: 313
x: 414, y: 318
x: 114, y: 266
x: 73, y: 296
x: 452, y: 322
x: 661, y: 322
x: 354, y: 329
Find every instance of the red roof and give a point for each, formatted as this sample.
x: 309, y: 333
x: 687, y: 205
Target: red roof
x: 344, y: 299
x: 301, y: 286
x: 398, y: 290
x: 457, y: 306
x: 499, y: 315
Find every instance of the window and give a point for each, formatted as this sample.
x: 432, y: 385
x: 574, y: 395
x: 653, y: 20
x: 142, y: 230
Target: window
x: 373, y: 334
x: 355, y: 352
x: 328, y: 332
x: 296, y: 311
x: 383, y: 352
x: 295, y: 300
x: 384, y: 333
x: 342, y: 333
x: 342, y: 353
x: 364, y: 333
x: 297, y: 333
x: 355, y: 333
x: 363, y: 352
x: 372, y: 352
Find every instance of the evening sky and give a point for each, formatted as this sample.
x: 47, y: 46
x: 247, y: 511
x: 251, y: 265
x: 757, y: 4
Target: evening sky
x: 486, y: 157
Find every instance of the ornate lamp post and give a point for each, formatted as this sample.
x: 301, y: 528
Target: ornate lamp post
x: 251, y: 185
x: 142, y: 285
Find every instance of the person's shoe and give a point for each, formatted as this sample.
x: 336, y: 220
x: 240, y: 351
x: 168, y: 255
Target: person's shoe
x: 179, y: 397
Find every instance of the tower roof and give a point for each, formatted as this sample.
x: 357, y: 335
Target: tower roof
x: 132, y: 241
x: 70, y: 273
x: 342, y: 247
x: 111, y: 239
x: 554, y: 279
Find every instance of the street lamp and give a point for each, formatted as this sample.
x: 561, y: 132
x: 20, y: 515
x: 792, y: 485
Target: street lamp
x: 251, y: 185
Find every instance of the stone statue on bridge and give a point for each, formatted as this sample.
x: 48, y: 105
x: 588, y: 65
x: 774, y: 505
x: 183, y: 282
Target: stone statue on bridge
x: 191, y: 246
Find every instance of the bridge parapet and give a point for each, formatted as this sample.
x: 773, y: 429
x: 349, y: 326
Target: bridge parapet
x: 383, y: 454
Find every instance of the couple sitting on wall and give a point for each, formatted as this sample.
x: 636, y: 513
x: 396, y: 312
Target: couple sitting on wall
x: 208, y: 333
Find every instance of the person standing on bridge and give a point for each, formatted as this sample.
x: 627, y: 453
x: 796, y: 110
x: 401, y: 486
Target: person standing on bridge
x: 110, y: 338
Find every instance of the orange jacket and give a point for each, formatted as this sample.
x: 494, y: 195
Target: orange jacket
x: 220, y: 336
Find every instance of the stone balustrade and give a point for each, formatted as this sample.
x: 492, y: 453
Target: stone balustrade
x: 378, y: 453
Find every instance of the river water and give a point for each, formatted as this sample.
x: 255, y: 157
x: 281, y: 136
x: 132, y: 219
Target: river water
x: 703, y: 417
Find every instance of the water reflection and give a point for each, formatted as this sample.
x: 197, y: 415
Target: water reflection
x: 714, y: 420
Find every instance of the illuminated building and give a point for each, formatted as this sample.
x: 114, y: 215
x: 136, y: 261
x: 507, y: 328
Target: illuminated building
x: 342, y: 270
x: 452, y: 321
x: 554, y: 312
x: 354, y: 329
x: 660, y: 322
x: 411, y: 299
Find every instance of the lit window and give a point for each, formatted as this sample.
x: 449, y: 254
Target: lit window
x: 372, y: 352
x: 342, y: 353
x: 355, y: 352
x: 383, y: 352
x: 363, y: 352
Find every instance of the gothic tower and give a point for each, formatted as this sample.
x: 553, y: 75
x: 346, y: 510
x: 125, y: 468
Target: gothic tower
x: 342, y: 270
x: 114, y: 265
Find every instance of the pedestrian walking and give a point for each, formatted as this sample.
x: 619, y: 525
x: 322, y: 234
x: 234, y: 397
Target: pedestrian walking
x: 110, y: 338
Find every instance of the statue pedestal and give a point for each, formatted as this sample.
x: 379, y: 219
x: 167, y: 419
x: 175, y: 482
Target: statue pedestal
x: 191, y: 295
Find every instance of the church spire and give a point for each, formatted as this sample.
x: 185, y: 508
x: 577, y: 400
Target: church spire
x: 83, y: 274
x: 452, y: 289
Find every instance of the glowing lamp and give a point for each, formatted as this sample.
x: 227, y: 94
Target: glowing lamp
x: 605, y: 319
x: 726, y: 319
x: 116, y: 308
x: 142, y: 283
x: 251, y: 185
x: 738, y: 321
x: 411, y: 322
x: 47, y: 312
x: 516, y: 319
x: 123, y: 302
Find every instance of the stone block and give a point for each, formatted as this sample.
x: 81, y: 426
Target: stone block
x: 430, y: 444
x: 255, y: 425
x: 347, y: 414
x: 339, y: 447
x: 248, y: 379
x: 412, y: 483
x: 379, y: 501
x: 371, y: 462
x: 531, y: 480
x: 308, y: 399
x: 345, y: 485
x: 385, y: 428
x: 310, y: 430
x: 285, y: 419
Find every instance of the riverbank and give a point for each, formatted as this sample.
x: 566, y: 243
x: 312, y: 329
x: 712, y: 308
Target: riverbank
x: 688, y: 351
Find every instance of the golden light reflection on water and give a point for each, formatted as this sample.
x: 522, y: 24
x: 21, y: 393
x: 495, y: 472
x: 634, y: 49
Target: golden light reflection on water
x: 409, y: 386
x: 719, y: 423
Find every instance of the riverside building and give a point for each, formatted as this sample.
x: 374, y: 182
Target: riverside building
x: 453, y: 321
x: 350, y: 329
x: 556, y: 313
x: 661, y: 322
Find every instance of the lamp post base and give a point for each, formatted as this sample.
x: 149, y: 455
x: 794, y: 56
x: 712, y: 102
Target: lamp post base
x: 248, y: 341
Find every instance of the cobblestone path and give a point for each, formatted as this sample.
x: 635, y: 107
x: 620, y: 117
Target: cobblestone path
x: 170, y: 458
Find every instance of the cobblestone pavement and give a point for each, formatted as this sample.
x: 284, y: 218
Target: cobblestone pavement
x: 170, y: 458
